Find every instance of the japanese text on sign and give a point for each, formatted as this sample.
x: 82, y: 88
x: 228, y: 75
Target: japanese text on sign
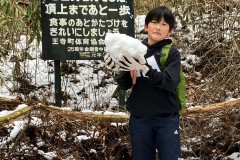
x: 78, y: 27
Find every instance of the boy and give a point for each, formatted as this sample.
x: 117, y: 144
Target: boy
x: 153, y: 103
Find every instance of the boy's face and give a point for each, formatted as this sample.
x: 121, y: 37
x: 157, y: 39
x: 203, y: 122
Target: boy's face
x: 157, y: 31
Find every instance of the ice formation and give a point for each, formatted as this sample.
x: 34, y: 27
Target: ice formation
x: 117, y: 44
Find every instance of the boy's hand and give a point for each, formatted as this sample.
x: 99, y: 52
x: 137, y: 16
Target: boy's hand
x: 133, y: 74
x: 128, y: 63
x: 111, y: 64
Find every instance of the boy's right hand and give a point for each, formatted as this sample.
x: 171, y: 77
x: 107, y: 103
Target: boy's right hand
x: 110, y: 63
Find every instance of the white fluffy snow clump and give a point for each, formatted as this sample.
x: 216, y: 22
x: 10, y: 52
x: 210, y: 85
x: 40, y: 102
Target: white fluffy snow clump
x: 117, y: 44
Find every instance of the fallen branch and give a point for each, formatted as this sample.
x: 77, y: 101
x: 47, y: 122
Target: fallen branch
x: 80, y: 116
x: 102, y: 116
x: 212, y: 107
x: 85, y: 116
x: 15, y: 115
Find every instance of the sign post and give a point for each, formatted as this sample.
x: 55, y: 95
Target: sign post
x: 58, y: 88
x: 76, y: 29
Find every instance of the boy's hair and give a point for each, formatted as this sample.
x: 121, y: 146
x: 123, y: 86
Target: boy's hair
x: 160, y: 12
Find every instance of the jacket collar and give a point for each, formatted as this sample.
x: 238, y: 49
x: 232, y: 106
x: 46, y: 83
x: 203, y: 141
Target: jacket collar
x: 158, y: 44
x: 152, y: 48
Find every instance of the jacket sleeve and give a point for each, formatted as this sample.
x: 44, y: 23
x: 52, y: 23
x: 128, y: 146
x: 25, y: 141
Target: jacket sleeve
x: 124, y: 80
x: 169, y: 77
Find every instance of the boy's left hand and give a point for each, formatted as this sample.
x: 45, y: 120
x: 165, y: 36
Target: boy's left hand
x: 129, y: 63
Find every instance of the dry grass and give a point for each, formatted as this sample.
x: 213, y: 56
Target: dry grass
x: 209, y: 135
